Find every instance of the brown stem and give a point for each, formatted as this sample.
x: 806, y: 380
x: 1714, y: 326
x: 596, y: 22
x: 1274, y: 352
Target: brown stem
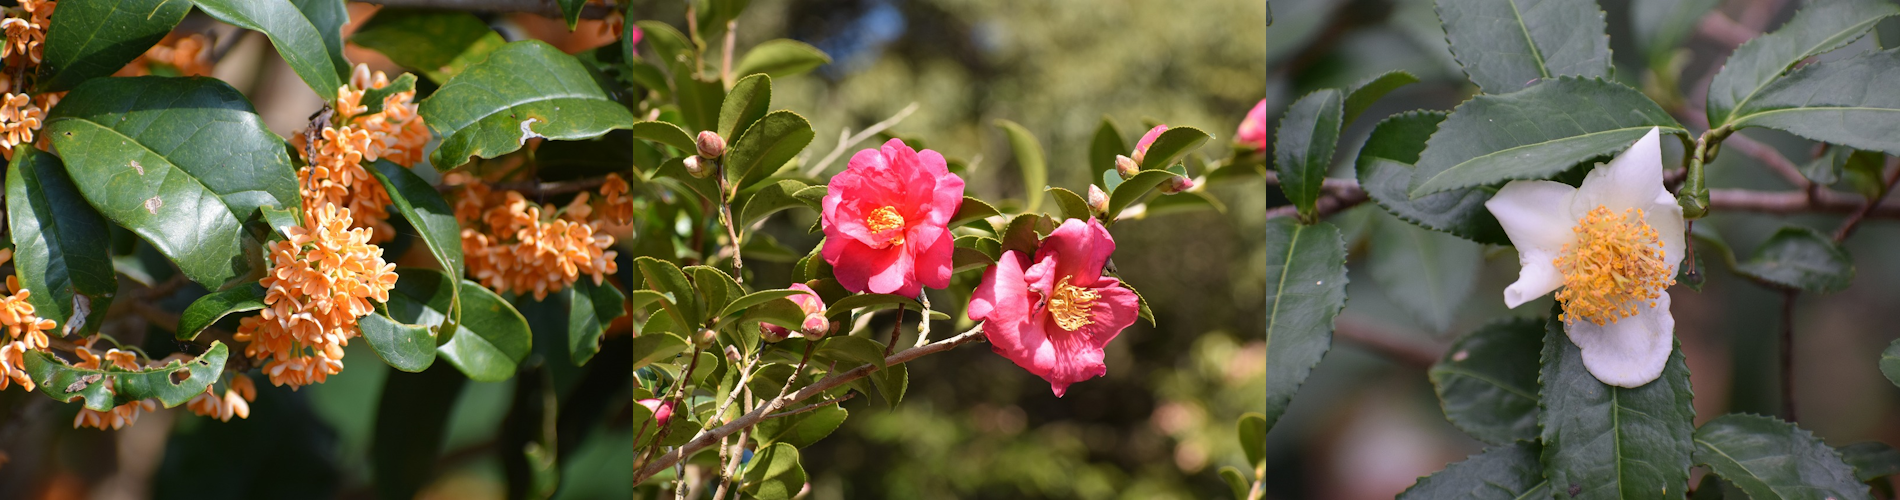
x: 896, y: 328
x: 814, y: 406
x: 1403, y: 348
x: 1771, y: 157
x: 1853, y: 221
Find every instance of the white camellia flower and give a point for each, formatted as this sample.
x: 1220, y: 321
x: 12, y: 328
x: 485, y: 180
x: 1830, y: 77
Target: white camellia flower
x: 1612, y: 247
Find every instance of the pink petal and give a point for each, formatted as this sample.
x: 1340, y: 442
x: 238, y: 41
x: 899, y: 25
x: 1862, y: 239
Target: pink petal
x: 1081, y: 250
x: 1149, y: 138
x: 933, y: 249
x: 1001, y: 296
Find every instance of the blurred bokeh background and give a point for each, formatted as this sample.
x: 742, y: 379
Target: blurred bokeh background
x: 973, y: 425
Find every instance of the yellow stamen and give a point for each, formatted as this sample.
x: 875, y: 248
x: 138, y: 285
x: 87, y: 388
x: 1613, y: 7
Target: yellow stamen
x: 1616, y: 264
x: 885, y: 219
x: 1070, y: 305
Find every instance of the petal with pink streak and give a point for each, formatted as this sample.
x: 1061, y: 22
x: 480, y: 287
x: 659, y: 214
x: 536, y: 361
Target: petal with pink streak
x: 1081, y: 250
x: 1001, y: 296
x: 1149, y: 138
x: 932, y: 257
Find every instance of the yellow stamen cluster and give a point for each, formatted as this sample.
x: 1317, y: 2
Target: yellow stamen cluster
x: 1069, y: 305
x: 509, y: 248
x: 1615, y: 266
x: 320, y: 281
x: 236, y: 401
x: 119, y: 416
x: 884, y: 219
x: 337, y: 174
x: 185, y: 54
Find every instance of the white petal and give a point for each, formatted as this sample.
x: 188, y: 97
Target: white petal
x: 1629, y: 181
x: 1665, y: 216
x: 1537, y: 277
x: 1536, y: 216
x: 1630, y: 352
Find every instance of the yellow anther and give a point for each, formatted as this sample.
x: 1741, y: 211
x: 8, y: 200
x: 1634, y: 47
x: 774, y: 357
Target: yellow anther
x: 885, y: 219
x: 1615, y: 265
x: 1070, y: 304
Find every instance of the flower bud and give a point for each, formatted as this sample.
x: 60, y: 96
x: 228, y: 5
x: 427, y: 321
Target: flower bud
x: 1177, y: 185
x: 696, y: 167
x: 1098, y: 200
x: 705, y: 338
x: 771, y: 333
x: 816, y: 326
x: 733, y: 355
x: 662, y: 410
x: 1126, y: 166
x: 711, y: 145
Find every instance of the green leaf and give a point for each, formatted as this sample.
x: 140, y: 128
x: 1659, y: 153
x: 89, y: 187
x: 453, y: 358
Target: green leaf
x: 215, y: 306
x: 1368, y: 91
x: 1890, y: 362
x: 490, y: 337
x: 1504, y: 472
x: 1021, y: 234
x: 57, y: 250
x: 1028, y: 159
x: 891, y: 382
x: 1660, y: 26
x: 1072, y: 205
x: 755, y: 298
x: 1871, y: 460
x: 373, y: 98
x: 592, y: 308
x: 1426, y: 273
x: 1826, y: 170
x: 437, y: 43
x: 329, y: 17
x: 296, y: 39
x: 871, y: 301
x: 800, y: 430
x: 410, y: 348
x: 412, y: 420
x: 770, y: 200
x: 654, y: 347
x: 1800, y: 258
x: 571, y: 10
x: 1169, y: 147
x: 774, y: 473
x: 765, y: 146
x: 1104, y: 147
x: 699, y: 101
x: 1851, y: 102
x: 1385, y: 171
x: 180, y: 161
x: 666, y: 133
x: 1487, y: 381
x: 1536, y: 133
x: 64, y: 382
x: 1815, y: 29
x: 1306, y: 288
x: 1303, y: 147
x: 851, y: 351
x: 972, y: 210
x: 96, y: 39
x: 426, y: 211
x: 1769, y: 458
x: 748, y: 101
x: 1602, y: 441
x: 1133, y: 189
x: 781, y: 58
x: 1506, y: 45
x: 664, y: 277
x: 672, y: 47
x: 1253, y: 438
x: 1235, y: 482
x: 525, y: 89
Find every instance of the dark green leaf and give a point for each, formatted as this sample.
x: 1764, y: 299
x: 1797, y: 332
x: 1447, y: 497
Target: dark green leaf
x: 1303, y: 148
x: 765, y: 146
x: 664, y: 277
x: 64, y: 382
x: 571, y: 10
x: 1426, y: 273
x: 851, y: 351
x: 1506, y: 45
x: 1133, y: 189
x: 1385, y: 171
x: 1021, y: 235
x: 296, y: 39
x: 1800, y: 258
x: 437, y: 43
x: 409, y: 348
x: 770, y: 200
x: 1253, y: 438
x: 1504, y: 472
x: 1306, y: 288
x: 1367, y: 91
x: 665, y: 133
x: 1072, y: 205
x: 1487, y: 381
x: 1826, y: 170
x: 748, y: 101
x: 1602, y: 441
x: 1536, y: 133
x: 1851, y: 102
x: 426, y: 211
x: 1769, y: 458
x: 774, y: 473
x: 1890, y: 362
x: 973, y: 210
x: 1171, y: 145
x: 1028, y: 160
x: 781, y: 58
x: 800, y: 430
x: 593, y: 307
x: 96, y: 39
x: 210, y: 308
x: 653, y: 347
x: 328, y: 17
x: 1104, y: 147
x: 891, y: 382
x: 1871, y: 460
x: 490, y: 337
x: 699, y: 101
x: 755, y: 298
x: 57, y: 250
x: 526, y: 89
x: 1815, y: 29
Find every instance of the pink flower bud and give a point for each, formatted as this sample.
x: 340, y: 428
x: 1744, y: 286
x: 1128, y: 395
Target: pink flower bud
x: 1148, y: 139
x: 662, y: 410
x: 1098, y: 200
x: 1253, y: 129
x: 711, y: 145
x: 696, y: 167
x: 705, y: 338
x: 816, y: 326
x: 1177, y: 185
x: 1126, y: 166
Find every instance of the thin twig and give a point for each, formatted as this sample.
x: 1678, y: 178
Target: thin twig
x: 1718, y: 27
x: 813, y: 406
x: 1853, y: 221
x: 846, y: 141
x: 725, y: 58
x: 1771, y: 157
x: 1400, y: 347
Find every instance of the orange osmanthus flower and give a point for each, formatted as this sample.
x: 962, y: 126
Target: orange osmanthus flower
x: 320, y: 281
x: 236, y: 401
x: 120, y: 416
x: 510, y: 248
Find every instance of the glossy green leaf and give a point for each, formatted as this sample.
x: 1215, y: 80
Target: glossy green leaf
x: 96, y: 39
x: 1362, y: 94
x: 1487, y: 381
x: 296, y: 39
x: 1022, y: 233
x: 592, y: 308
x: 64, y: 382
x: 1660, y: 26
x: 526, y: 89
x: 769, y: 200
x: 1072, y: 205
x: 800, y: 430
x: 329, y: 17
x: 755, y: 298
x: 57, y: 250
x: 1851, y: 102
x: 872, y: 301
x: 440, y: 44
x: 1536, y: 133
x: 1306, y: 288
x: 571, y: 11
x: 972, y: 210
x: 1303, y: 147
x: 1871, y: 460
x: 699, y: 101
x: 1769, y: 458
x: 765, y: 146
x: 653, y: 347
x: 851, y: 351
x: 1029, y: 161
x: 716, y: 288
x: 410, y: 348
x: 1133, y: 189
x: 490, y: 338
x: 215, y: 306
x: 1815, y: 29
x: 781, y: 58
x: 1602, y: 441
x: 669, y: 44
x: 891, y: 383
x: 664, y: 277
x: 1426, y: 273
x: 373, y: 98
x: 666, y: 133
x: 1504, y: 472
x: 1506, y: 45
x: 1235, y: 482
x: 1385, y: 171
x: 426, y: 211
x: 1168, y: 148
x: 1252, y: 430
x: 774, y: 473
x: 1800, y: 258
x: 748, y: 101
x: 1890, y: 362
x: 1104, y: 147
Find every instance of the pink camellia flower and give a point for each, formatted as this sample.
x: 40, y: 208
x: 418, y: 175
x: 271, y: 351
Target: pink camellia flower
x: 1148, y: 139
x: 886, y: 220
x: 1253, y: 130
x: 662, y: 410
x: 1055, y: 317
x: 815, y: 327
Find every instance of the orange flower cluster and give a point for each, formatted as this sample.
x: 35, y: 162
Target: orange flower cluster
x: 186, y: 54
x: 122, y: 415
x: 24, y: 331
x: 321, y: 280
x: 25, y: 29
x: 509, y: 248
x: 26, y: 32
x: 337, y: 175
x: 238, y: 395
